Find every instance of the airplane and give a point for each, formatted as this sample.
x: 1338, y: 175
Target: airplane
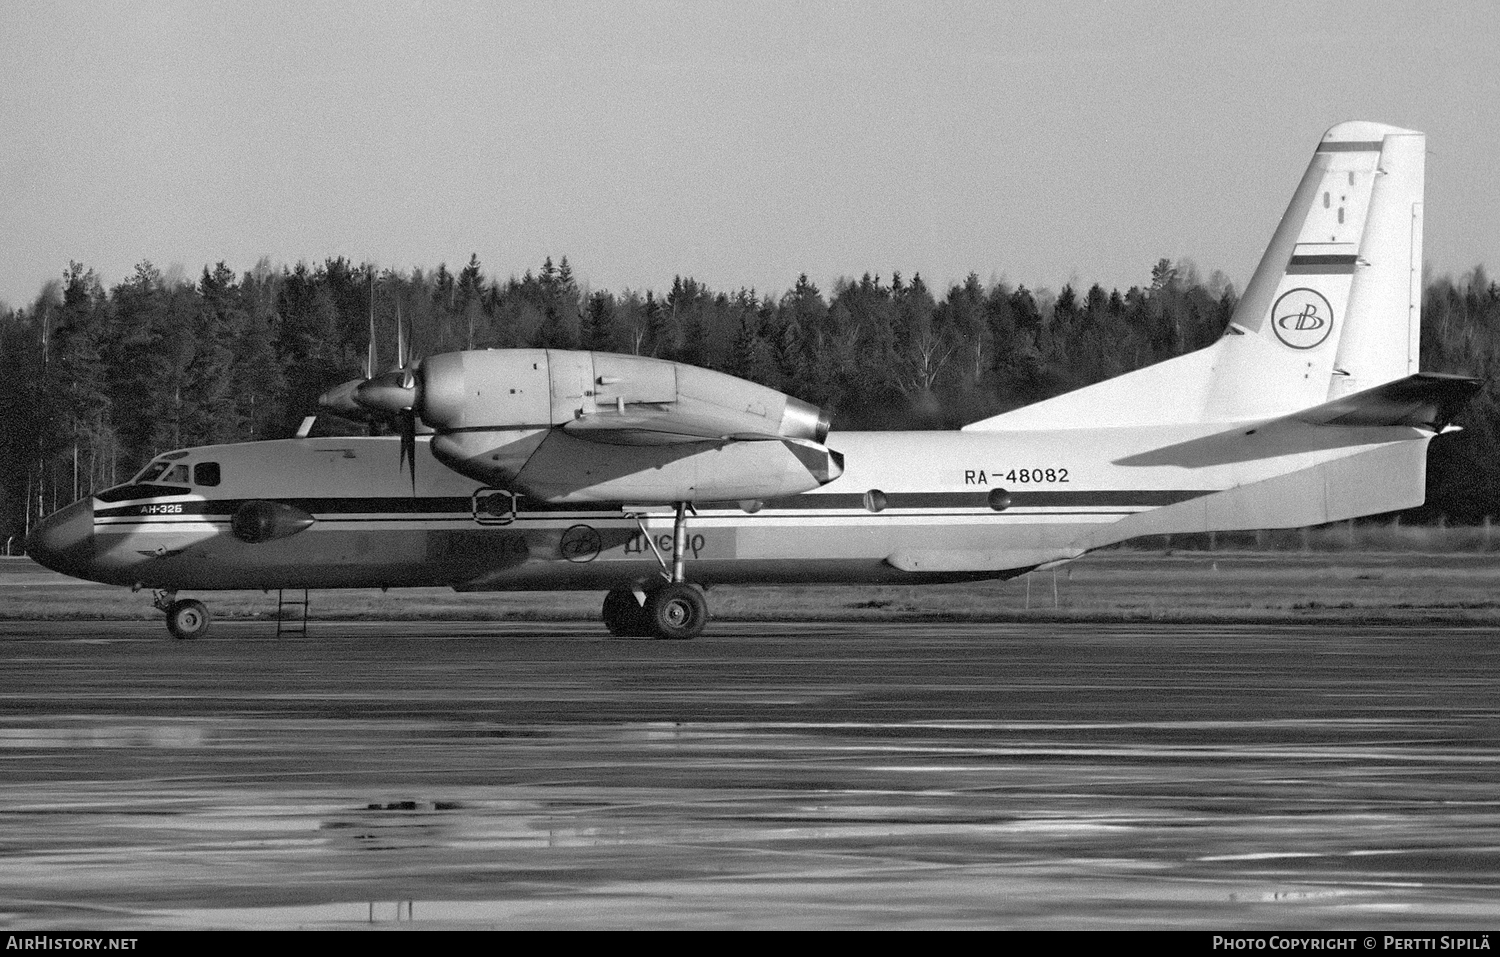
x: 651, y: 480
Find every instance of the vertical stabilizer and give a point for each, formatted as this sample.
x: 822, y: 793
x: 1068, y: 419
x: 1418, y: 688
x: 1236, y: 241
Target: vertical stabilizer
x: 1301, y: 315
x: 1332, y: 309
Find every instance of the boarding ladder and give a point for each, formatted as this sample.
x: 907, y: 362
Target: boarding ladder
x: 288, y: 602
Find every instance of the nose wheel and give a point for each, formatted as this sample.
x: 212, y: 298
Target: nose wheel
x: 675, y: 609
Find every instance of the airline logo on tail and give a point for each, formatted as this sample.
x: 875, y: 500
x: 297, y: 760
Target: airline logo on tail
x: 1302, y: 318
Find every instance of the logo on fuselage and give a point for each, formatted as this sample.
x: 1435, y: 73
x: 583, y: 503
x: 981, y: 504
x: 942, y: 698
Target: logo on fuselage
x: 580, y: 544
x: 1302, y: 318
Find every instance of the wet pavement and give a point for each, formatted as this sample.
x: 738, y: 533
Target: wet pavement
x: 521, y: 775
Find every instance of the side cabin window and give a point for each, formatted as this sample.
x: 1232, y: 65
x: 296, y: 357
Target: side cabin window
x: 206, y: 474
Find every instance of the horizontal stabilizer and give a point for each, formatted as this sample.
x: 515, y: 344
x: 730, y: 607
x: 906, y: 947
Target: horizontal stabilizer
x: 1426, y: 400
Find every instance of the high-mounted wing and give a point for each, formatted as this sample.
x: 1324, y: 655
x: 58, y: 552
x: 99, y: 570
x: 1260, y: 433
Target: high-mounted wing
x: 567, y: 426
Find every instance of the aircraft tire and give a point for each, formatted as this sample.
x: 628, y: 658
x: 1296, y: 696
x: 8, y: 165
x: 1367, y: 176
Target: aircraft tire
x: 677, y: 611
x: 187, y: 619
x: 624, y: 616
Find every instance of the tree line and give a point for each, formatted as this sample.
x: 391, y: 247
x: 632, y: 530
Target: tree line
x: 100, y: 380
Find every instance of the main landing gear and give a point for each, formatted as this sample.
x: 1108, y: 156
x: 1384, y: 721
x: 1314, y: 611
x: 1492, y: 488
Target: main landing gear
x: 674, y: 609
x: 186, y: 619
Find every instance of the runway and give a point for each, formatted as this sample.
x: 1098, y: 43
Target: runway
x: 519, y: 775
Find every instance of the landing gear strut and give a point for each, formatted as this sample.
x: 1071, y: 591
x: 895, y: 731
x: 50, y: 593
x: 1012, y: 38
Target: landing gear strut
x: 674, y: 609
x: 186, y: 619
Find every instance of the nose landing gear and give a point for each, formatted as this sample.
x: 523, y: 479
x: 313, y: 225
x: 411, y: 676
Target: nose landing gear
x: 675, y: 609
x: 186, y: 619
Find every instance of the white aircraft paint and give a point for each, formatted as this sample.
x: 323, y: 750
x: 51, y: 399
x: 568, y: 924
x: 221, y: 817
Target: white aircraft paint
x: 1305, y: 411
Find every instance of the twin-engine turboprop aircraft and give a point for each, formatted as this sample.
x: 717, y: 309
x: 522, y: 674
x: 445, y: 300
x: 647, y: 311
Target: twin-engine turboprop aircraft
x: 551, y: 469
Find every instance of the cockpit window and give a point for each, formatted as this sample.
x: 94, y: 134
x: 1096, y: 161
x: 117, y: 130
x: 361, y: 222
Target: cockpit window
x: 133, y: 491
x: 178, y: 473
x: 206, y: 473
x: 151, y: 472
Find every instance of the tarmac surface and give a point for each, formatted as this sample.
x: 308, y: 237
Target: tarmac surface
x: 524, y: 775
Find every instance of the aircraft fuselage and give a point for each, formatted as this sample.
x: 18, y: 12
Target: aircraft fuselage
x: 911, y: 507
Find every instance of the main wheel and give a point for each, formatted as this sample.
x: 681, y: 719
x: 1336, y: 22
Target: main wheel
x: 624, y: 616
x: 187, y: 619
x: 677, y: 610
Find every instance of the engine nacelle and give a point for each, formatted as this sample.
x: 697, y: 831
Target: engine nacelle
x: 562, y: 426
x: 522, y: 389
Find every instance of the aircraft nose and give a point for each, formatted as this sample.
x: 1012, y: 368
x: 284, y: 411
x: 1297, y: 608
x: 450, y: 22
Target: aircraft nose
x: 64, y: 542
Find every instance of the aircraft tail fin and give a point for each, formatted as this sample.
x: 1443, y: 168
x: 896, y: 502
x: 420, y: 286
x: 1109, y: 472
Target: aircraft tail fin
x: 1333, y: 308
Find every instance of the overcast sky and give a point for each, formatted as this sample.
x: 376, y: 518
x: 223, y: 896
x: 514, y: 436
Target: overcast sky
x: 740, y: 143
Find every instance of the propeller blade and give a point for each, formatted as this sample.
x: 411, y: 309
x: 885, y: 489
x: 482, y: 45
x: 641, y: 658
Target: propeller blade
x: 369, y: 356
x: 408, y: 424
x: 370, y: 360
x: 403, y: 349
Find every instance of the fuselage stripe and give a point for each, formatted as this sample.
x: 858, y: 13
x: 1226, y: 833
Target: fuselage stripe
x: 438, y: 521
x: 895, y: 501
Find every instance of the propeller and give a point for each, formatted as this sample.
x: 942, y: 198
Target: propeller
x: 393, y: 395
x: 403, y: 357
x: 370, y: 360
x: 408, y: 425
x: 407, y: 418
x: 340, y: 399
x: 388, y: 397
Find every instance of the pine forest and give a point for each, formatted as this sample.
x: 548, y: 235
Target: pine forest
x: 98, y: 380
